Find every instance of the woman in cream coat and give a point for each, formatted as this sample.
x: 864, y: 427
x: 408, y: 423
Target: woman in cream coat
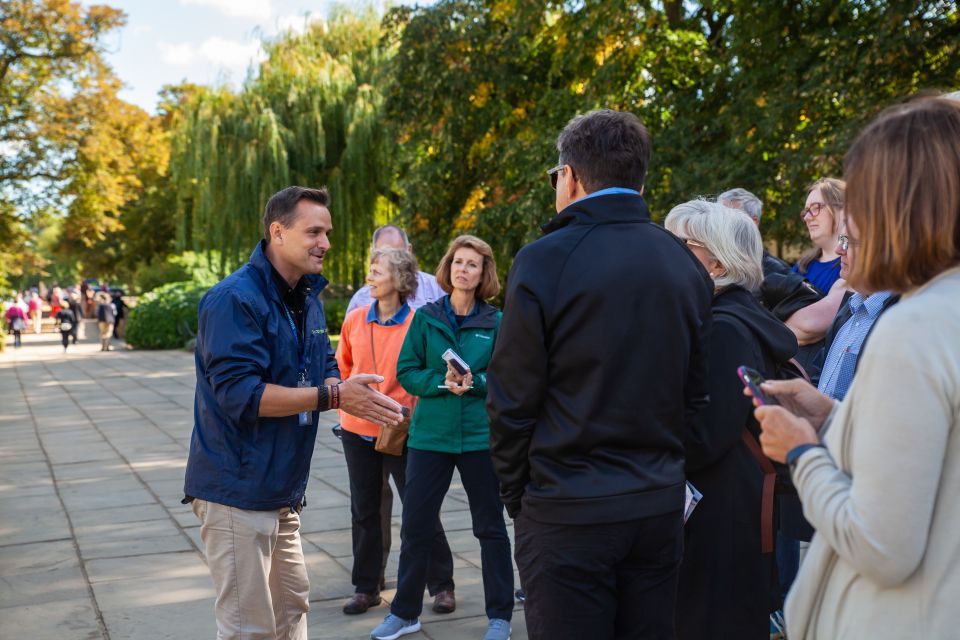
x: 882, y: 487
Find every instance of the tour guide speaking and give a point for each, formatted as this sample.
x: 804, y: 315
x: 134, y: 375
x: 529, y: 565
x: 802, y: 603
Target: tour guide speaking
x: 265, y: 368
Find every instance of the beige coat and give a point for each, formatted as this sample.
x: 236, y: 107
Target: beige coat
x: 884, y: 496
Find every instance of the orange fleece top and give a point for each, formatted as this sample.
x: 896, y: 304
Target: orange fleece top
x: 356, y: 355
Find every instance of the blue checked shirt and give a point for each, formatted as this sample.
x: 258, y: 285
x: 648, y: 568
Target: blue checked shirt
x: 841, y: 362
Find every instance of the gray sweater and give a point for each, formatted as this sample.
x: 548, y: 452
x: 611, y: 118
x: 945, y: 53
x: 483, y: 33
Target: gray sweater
x: 884, y: 496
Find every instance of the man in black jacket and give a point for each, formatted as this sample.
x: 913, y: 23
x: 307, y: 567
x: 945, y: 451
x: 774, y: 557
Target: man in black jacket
x: 600, y: 362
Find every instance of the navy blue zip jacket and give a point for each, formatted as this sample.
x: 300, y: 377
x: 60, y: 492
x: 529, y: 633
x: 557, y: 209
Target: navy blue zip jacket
x: 244, y: 342
x: 599, y: 367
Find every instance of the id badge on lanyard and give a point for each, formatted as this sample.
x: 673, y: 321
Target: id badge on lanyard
x: 305, y: 417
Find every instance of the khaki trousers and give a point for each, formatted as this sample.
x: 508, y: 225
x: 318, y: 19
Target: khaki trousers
x: 256, y: 560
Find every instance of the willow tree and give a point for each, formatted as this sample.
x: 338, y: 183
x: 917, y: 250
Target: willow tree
x: 311, y: 116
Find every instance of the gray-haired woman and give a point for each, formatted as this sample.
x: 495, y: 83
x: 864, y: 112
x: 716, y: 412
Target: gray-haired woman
x: 370, y: 342
x: 728, y: 585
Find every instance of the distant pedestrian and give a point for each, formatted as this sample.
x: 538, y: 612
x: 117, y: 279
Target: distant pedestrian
x: 85, y: 295
x: 16, y: 320
x: 106, y: 317
x: 77, y: 310
x: 35, y: 305
x: 120, y: 326
x: 66, y: 321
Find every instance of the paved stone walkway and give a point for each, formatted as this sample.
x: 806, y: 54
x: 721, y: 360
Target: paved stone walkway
x: 94, y: 543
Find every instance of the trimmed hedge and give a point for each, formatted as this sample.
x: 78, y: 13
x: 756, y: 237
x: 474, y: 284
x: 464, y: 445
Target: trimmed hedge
x: 166, y: 318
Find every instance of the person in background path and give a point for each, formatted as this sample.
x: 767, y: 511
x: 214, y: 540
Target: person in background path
x: 66, y: 321
x: 74, y: 303
x: 392, y: 236
x: 265, y: 369
x: 370, y: 340
x: 35, y: 305
x: 17, y: 320
x: 121, y: 322
x: 599, y: 366
x: 106, y: 316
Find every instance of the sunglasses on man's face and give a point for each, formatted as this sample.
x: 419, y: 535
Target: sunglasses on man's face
x: 554, y: 174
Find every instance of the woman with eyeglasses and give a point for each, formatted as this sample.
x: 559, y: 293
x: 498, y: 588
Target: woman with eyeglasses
x: 879, y: 472
x: 821, y: 213
x: 728, y: 584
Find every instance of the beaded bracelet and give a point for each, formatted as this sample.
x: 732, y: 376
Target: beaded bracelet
x: 323, y: 398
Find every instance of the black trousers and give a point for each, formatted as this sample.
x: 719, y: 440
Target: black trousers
x: 65, y: 338
x: 610, y: 580
x: 365, y: 467
x: 428, y: 479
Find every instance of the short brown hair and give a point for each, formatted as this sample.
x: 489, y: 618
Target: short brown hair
x: 489, y: 282
x: 282, y: 206
x: 403, y: 269
x: 903, y: 194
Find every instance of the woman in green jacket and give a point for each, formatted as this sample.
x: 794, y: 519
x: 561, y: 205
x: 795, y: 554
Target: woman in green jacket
x: 450, y: 429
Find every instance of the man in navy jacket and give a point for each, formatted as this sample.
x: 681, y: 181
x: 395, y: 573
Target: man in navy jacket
x: 600, y: 361
x: 265, y: 367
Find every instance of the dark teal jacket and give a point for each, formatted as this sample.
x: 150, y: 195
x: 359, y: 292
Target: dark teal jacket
x: 444, y: 421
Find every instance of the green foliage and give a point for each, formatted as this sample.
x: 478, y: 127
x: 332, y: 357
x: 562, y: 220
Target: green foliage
x: 165, y: 318
x: 194, y: 267
x: 335, y: 310
x: 733, y: 96
x: 50, y: 55
x: 312, y: 117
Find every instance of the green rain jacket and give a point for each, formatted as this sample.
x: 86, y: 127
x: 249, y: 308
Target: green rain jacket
x: 444, y: 421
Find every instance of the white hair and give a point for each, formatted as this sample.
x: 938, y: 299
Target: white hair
x: 728, y: 234
x: 742, y: 199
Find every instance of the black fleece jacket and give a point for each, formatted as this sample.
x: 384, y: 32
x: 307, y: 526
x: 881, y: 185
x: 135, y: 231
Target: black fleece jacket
x: 600, y: 364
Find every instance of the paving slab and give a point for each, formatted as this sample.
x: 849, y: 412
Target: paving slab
x: 94, y: 543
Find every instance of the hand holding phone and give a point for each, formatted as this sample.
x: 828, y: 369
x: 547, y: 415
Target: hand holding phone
x: 454, y: 360
x: 752, y: 380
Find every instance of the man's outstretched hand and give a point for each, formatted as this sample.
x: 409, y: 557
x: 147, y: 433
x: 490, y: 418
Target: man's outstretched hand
x: 358, y: 399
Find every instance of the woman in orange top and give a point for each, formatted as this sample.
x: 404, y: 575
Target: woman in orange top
x: 370, y: 342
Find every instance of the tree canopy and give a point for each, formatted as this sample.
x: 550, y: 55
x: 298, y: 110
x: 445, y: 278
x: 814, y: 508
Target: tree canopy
x: 442, y: 118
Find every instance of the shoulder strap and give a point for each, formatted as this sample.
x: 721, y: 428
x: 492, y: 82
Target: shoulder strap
x: 767, y: 495
x: 373, y: 353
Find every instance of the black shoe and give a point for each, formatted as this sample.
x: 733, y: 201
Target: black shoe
x: 521, y: 595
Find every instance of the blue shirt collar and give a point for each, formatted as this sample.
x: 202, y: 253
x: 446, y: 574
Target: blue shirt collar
x: 395, y: 319
x: 610, y: 191
x: 872, y: 304
x: 452, y: 317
